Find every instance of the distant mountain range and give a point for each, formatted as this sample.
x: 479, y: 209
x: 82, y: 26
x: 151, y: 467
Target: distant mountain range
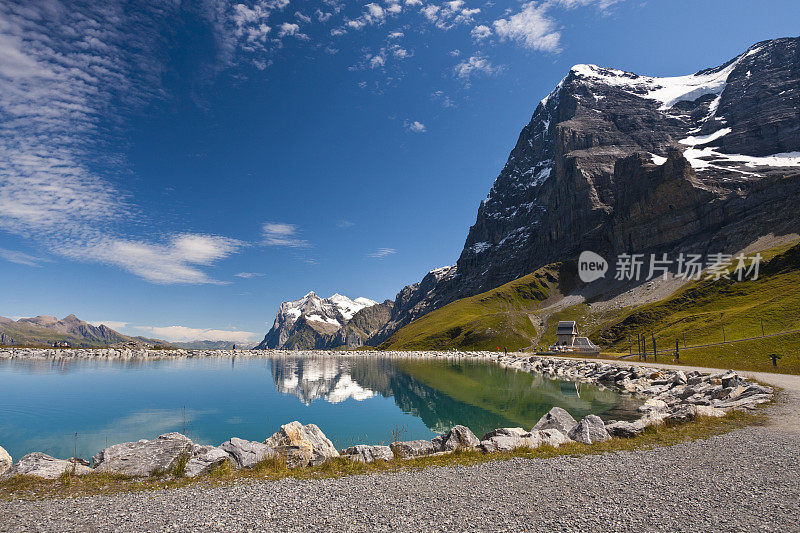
x: 617, y: 162
x: 44, y: 330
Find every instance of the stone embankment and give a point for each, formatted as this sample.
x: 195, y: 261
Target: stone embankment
x: 672, y: 397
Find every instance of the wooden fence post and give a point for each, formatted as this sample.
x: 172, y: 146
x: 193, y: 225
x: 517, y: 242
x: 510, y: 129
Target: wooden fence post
x: 655, y: 353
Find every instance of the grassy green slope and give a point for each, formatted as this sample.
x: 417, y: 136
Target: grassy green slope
x: 497, y: 318
x: 699, y: 311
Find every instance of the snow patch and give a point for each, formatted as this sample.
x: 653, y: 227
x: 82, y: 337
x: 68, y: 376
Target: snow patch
x: 705, y: 139
x: 703, y: 158
x: 323, y: 319
x: 480, y: 247
x: 541, y: 176
x: 657, y: 159
x: 668, y: 90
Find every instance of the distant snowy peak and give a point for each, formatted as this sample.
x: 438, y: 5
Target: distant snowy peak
x: 335, y: 311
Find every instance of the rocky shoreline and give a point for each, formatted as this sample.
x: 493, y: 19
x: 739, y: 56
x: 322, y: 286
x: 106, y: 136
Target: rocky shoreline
x: 673, y: 397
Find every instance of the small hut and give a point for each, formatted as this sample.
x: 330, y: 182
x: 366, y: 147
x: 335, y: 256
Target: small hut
x: 566, y: 333
x: 567, y: 339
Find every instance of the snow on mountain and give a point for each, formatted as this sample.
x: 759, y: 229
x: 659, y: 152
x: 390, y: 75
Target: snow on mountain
x: 667, y: 90
x: 336, y: 310
x: 317, y: 379
x: 327, y: 315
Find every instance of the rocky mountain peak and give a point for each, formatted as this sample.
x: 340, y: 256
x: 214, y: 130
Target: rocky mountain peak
x: 43, y: 329
x: 615, y: 161
x: 324, y: 316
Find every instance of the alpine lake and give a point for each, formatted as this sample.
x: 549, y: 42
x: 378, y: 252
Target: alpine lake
x: 76, y: 407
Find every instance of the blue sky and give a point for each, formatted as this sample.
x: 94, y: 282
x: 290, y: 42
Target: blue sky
x: 177, y: 170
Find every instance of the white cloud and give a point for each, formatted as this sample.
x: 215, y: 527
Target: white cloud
x: 249, y: 275
x: 292, y: 30
x: 394, y: 8
x: 345, y: 224
x: 532, y: 27
x: 373, y: 14
x: 413, y: 2
x: 414, y: 126
x: 377, y: 60
x: 245, y: 28
x: 21, y: 258
x: 400, y: 53
x: 282, y: 234
x: 570, y: 4
x: 449, y: 14
x: 396, y: 35
x: 474, y: 65
x: 442, y: 98
x: 381, y: 253
x: 301, y: 16
x: 183, y: 334
x: 480, y: 32
x: 175, y: 261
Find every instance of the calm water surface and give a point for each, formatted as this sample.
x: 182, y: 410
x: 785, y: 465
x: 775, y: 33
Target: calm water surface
x: 43, y: 405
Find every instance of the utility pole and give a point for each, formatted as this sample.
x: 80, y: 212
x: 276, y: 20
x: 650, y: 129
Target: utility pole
x: 684, y: 339
x: 723, y: 332
x: 644, y: 347
x: 762, y: 328
x: 677, y: 350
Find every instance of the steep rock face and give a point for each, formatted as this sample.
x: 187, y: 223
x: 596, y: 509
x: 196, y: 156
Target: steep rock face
x: 614, y: 162
x: 314, y: 322
x: 412, y: 302
x: 364, y: 325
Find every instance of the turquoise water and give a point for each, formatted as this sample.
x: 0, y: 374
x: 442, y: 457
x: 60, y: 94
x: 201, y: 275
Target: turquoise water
x: 82, y: 406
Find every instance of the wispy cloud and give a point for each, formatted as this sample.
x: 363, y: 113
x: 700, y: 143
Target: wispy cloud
x: 476, y: 64
x: 442, y: 98
x: 449, y: 14
x: 282, y: 234
x: 184, y: 333
x: 532, y: 27
x: 345, y: 224
x: 249, y: 275
x: 64, y: 69
x: 21, y: 258
x: 175, y: 261
x: 381, y: 253
x: 414, y: 126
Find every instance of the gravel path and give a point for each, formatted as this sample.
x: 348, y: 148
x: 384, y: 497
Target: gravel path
x: 747, y: 480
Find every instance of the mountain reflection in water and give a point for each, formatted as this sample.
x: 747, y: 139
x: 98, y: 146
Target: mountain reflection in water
x: 444, y: 393
x: 81, y: 406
